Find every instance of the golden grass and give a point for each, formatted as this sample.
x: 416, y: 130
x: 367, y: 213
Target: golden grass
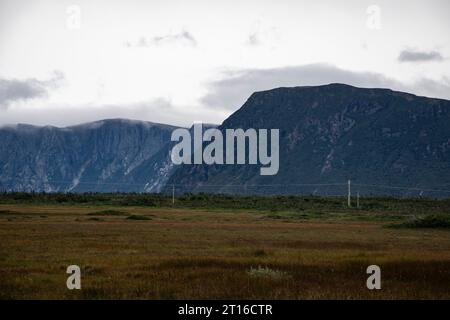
x: 198, y: 254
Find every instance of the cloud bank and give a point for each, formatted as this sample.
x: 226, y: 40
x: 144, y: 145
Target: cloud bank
x: 234, y: 87
x: 13, y: 89
x: 223, y: 96
x: 154, y: 110
x: 419, y: 56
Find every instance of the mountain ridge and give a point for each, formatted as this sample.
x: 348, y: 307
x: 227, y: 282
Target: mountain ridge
x: 333, y: 133
x: 98, y: 156
x: 328, y: 134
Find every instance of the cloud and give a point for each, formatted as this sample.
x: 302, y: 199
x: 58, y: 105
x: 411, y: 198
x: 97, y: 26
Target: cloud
x: 160, y: 110
x: 184, y: 37
x: 235, y: 87
x: 253, y: 39
x: 263, y: 36
x: 225, y: 95
x: 432, y: 88
x: 419, y: 56
x: 232, y: 90
x: 13, y: 89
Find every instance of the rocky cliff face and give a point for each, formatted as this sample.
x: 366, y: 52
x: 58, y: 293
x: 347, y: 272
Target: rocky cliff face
x: 103, y: 156
x: 332, y: 133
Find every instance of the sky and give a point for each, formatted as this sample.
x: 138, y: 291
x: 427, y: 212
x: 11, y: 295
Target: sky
x: 177, y: 62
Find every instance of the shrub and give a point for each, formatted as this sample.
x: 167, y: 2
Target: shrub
x: 95, y: 219
x: 266, y: 272
x: 136, y: 217
x: 435, y: 221
x: 7, y: 212
x: 260, y: 253
x: 107, y: 213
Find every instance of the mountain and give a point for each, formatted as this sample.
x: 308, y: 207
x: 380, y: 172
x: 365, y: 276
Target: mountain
x: 378, y: 138
x: 385, y: 142
x: 102, y: 156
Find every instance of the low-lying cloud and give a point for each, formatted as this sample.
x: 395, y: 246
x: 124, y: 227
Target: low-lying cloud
x: 158, y: 110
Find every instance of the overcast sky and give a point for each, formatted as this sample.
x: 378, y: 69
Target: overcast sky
x: 66, y: 62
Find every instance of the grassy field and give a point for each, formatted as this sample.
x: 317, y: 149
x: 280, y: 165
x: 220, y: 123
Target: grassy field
x: 299, y: 248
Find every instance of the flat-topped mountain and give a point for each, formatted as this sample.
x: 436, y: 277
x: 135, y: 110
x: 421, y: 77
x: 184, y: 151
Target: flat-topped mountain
x: 102, y: 156
x: 336, y: 132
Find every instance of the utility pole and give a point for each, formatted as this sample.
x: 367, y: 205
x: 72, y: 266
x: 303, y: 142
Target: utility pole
x: 357, y: 200
x: 173, y: 194
x: 349, y: 200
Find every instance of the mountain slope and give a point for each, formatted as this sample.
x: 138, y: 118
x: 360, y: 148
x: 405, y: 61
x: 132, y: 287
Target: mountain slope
x: 100, y: 156
x: 332, y: 133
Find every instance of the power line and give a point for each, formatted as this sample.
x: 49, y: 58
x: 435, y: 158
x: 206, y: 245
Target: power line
x: 401, y: 188
x: 246, y: 186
